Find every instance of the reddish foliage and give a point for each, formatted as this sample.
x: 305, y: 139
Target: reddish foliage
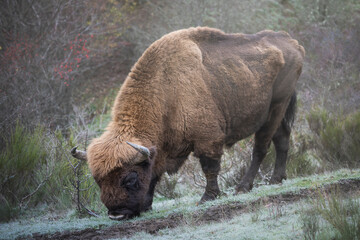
x: 75, y: 52
x: 15, y: 55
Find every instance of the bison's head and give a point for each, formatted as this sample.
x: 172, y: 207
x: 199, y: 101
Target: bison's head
x: 123, y: 172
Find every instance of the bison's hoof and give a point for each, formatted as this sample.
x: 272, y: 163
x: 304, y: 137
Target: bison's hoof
x: 275, y: 179
x: 148, y: 208
x: 209, y: 197
x: 243, y: 188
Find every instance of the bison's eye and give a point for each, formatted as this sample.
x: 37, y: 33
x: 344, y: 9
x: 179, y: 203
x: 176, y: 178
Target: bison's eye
x: 131, y: 181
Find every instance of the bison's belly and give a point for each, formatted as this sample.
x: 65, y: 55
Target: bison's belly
x: 245, y: 122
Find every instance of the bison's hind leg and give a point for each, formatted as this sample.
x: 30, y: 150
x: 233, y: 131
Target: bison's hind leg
x: 263, y: 139
x: 281, y: 142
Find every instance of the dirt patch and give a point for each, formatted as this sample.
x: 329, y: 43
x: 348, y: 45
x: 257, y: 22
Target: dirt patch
x: 211, y: 214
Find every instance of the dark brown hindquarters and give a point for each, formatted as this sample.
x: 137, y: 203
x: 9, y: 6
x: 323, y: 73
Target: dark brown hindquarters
x: 281, y: 142
x: 263, y: 137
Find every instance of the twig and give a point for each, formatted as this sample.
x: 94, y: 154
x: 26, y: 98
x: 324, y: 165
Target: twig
x: 89, y: 211
x: 37, y: 189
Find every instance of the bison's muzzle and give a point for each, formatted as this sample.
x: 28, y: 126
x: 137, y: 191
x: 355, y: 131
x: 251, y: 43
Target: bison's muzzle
x: 121, y: 214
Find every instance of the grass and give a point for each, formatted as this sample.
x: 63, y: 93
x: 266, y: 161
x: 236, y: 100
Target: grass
x: 326, y: 217
x: 185, y: 205
x: 270, y: 221
x: 49, y: 224
x: 243, y: 226
x: 331, y: 216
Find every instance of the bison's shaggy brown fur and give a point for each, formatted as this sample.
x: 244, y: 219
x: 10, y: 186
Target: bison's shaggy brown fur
x: 196, y: 90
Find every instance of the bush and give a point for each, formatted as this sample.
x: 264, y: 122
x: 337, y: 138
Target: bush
x: 71, y: 183
x: 36, y: 168
x: 337, y: 137
x: 300, y: 164
x: 24, y: 168
x: 332, y: 217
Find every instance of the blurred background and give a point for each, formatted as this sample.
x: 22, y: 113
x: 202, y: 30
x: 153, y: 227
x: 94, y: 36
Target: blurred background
x: 62, y: 63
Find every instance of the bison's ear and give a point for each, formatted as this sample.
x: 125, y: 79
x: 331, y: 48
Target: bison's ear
x: 153, y: 152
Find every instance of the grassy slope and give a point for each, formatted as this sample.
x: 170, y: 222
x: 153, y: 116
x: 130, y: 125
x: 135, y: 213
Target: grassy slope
x: 187, y: 205
x: 268, y: 222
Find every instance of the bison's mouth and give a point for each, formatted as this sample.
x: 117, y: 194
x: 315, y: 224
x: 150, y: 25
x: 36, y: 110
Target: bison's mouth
x: 121, y: 214
x: 117, y: 217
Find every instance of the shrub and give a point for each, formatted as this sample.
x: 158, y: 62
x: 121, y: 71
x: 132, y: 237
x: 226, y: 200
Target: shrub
x: 71, y: 183
x: 332, y: 217
x: 300, y: 164
x: 24, y: 168
x: 36, y: 167
x: 301, y: 160
x: 337, y: 137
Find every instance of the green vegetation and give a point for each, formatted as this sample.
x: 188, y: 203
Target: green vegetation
x: 23, y: 168
x: 337, y: 137
x: 332, y: 217
x: 36, y: 169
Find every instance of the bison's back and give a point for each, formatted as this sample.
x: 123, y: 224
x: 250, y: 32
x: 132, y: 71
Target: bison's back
x: 243, y: 75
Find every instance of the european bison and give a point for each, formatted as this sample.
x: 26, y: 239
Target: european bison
x: 195, y: 90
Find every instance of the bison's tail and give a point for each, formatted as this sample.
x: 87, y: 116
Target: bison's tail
x: 289, y: 118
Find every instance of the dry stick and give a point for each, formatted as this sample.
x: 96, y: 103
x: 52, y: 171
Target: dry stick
x: 78, y: 181
x: 31, y: 194
x: 77, y: 173
x: 79, y: 189
x: 89, y: 211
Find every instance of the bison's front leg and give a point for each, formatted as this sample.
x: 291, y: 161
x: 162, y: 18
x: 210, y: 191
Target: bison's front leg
x: 150, y: 194
x: 211, y: 168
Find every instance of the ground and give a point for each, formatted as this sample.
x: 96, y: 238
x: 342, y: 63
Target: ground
x: 268, y: 212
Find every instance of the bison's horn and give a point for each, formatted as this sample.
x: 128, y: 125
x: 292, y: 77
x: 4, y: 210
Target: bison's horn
x: 143, y: 150
x: 78, y: 154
